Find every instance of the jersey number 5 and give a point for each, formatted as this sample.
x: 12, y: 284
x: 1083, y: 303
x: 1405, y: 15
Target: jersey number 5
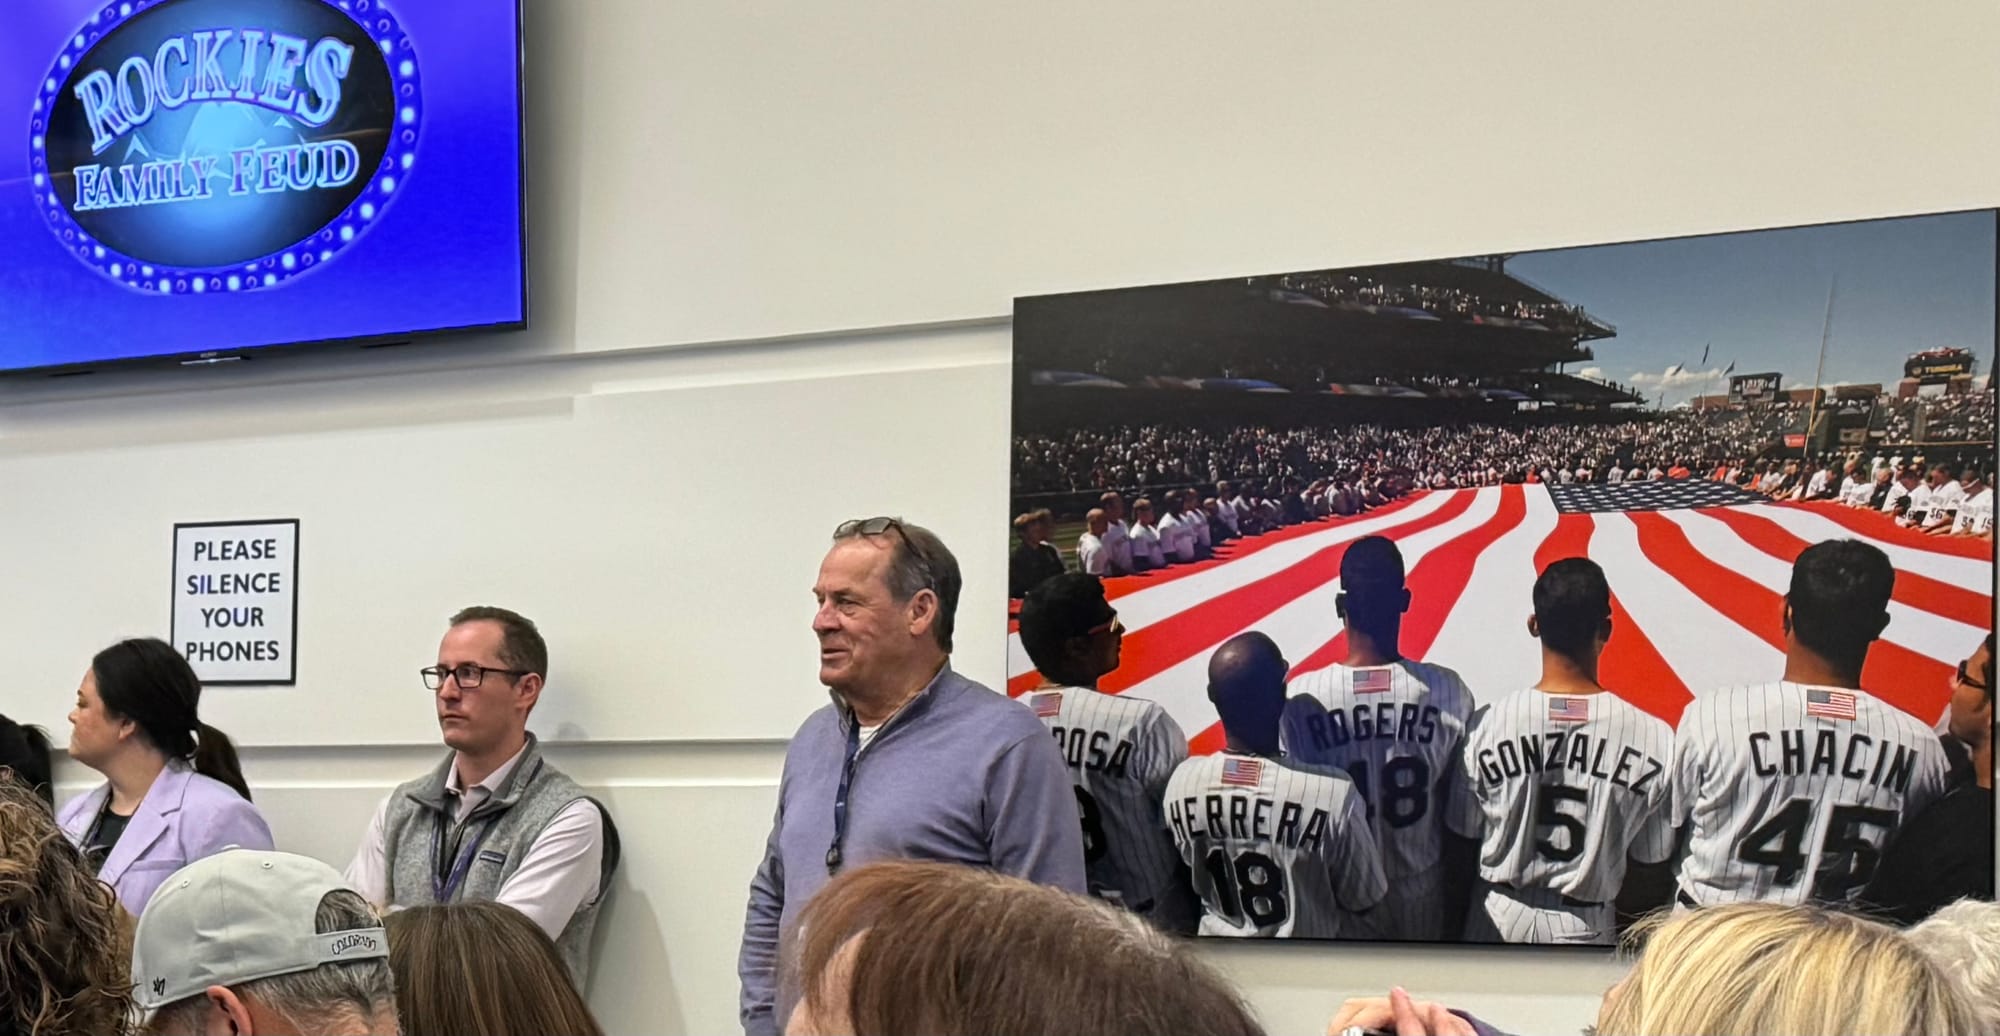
x: 1549, y: 819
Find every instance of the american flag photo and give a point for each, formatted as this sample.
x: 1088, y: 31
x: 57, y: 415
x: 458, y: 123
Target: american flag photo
x: 1688, y: 414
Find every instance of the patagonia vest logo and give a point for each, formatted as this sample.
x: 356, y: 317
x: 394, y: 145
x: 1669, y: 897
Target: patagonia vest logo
x: 182, y: 147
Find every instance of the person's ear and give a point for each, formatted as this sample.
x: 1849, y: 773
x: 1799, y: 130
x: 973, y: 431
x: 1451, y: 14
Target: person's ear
x: 228, y: 1015
x: 1535, y: 627
x: 1785, y: 619
x: 529, y: 690
x: 1405, y: 606
x: 922, y: 612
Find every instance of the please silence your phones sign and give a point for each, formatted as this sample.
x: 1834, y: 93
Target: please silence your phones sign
x: 236, y: 615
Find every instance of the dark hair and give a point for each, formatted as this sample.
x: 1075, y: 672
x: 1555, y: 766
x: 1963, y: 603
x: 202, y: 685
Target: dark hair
x: 1572, y: 602
x: 482, y: 967
x: 521, y: 644
x: 148, y: 682
x: 944, y: 950
x: 918, y: 561
x: 1371, y: 575
x: 24, y: 752
x: 1840, y: 599
x: 1057, y: 610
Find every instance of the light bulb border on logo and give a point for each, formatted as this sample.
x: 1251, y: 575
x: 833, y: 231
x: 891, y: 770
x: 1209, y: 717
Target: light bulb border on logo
x: 303, y: 256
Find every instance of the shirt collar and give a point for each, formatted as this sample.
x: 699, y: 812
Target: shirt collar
x: 846, y: 711
x: 491, y: 785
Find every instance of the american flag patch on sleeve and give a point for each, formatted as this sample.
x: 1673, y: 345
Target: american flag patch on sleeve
x: 1569, y: 710
x: 1831, y: 704
x: 1372, y: 681
x: 1242, y: 773
x: 1048, y: 704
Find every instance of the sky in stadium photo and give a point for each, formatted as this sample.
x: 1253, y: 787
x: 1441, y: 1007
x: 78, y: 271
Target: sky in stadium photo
x: 1759, y: 300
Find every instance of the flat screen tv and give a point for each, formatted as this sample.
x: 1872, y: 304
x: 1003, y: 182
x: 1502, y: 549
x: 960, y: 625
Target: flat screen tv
x: 193, y: 179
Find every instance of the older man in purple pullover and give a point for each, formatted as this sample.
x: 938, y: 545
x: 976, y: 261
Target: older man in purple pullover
x: 909, y: 761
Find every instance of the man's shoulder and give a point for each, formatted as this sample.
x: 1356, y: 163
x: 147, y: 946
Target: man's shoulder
x: 963, y: 699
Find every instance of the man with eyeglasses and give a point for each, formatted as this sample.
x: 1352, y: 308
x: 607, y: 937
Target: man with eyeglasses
x: 495, y: 820
x: 909, y: 761
x: 1946, y: 853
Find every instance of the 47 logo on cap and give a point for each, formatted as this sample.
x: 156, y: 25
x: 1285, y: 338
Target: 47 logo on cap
x: 182, y: 147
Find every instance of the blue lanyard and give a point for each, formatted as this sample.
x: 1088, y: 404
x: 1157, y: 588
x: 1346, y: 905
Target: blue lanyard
x: 840, y: 795
x: 445, y: 886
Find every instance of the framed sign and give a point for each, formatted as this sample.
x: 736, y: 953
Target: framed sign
x: 236, y: 605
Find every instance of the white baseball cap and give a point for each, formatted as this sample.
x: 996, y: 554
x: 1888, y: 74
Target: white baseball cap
x: 236, y: 917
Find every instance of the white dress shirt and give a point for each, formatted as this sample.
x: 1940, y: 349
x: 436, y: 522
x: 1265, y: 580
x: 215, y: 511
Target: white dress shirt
x: 1118, y: 547
x: 560, y: 872
x: 1145, y: 543
x: 1092, y: 556
x: 1177, y: 536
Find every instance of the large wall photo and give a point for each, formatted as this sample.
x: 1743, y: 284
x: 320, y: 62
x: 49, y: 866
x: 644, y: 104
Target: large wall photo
x: 1287, y: 454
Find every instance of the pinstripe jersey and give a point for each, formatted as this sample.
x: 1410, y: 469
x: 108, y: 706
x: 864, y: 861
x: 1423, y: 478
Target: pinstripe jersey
x: 1120, y: 753
x: 1562, y: 789
x: 1793, y: 791
x: 1396, y: 731
x: 1275, y: 849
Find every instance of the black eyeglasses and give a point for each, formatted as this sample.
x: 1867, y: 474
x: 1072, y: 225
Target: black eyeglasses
x: 1965, y: 679
x: 884, y: 524
x: 468, y: 675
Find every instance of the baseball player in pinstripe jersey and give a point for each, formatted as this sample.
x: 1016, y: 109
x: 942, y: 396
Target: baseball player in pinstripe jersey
x: 1790, y: 791
x: 1566, y: 781
x: 1395, y: 726
x: 1277, y: 849
x: 1120, y: 750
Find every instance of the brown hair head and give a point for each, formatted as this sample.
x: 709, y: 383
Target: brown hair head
x: 64, y: 949
x: 944, y: 950
x: 521, y: 644
x: 482, y: 967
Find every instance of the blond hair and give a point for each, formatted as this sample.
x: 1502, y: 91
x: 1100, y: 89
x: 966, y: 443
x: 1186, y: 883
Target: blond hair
x: 1768, y: 969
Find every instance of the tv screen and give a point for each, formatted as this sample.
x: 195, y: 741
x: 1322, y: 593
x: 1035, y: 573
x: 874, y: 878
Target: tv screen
x: 195, y: 178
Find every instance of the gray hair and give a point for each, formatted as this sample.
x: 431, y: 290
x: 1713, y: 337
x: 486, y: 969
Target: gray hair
x: 1963, y: 939
x: 918, y: 560
x: 313, y: 999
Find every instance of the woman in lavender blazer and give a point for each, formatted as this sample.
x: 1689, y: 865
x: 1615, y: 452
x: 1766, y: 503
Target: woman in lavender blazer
x: 173, y: 791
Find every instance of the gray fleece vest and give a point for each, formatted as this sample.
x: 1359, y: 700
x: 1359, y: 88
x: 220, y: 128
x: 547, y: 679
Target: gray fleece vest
x: 490, y: 845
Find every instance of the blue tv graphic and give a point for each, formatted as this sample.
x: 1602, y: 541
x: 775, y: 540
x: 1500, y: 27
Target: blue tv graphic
x: 190, y: 161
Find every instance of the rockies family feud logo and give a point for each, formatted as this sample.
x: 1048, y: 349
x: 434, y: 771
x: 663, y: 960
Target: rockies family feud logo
x: 184, y: 147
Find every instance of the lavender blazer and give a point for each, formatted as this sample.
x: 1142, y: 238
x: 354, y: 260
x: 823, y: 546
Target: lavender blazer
x: 184, y: 817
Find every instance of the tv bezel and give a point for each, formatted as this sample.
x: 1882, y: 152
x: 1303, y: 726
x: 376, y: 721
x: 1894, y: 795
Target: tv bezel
x: 230, y: 354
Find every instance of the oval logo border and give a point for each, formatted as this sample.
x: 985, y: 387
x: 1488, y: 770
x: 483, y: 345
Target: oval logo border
x: 265, y: 271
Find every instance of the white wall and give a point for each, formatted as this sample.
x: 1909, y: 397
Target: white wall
x: 710, y: 172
